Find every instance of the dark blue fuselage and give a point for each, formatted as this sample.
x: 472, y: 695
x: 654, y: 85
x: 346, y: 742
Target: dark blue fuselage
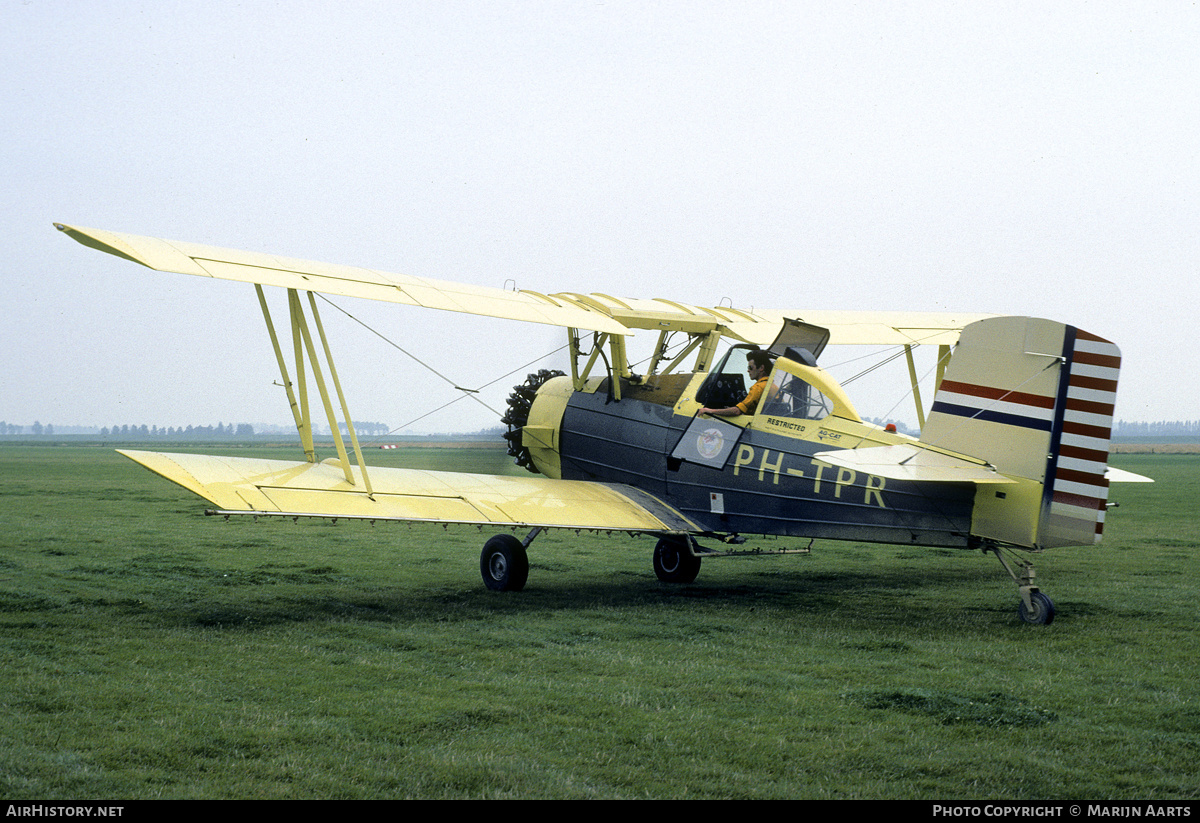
x: 770, y: 484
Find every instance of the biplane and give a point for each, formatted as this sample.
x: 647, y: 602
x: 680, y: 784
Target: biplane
x: 1011, y: 458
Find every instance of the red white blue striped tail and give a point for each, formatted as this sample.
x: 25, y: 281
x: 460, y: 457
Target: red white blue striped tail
x: 1035, y: 399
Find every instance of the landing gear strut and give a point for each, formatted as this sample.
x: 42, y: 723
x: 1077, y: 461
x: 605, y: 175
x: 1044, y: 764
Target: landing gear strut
x: 1035, y: 607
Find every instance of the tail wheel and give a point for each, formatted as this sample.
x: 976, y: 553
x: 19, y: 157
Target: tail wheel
x: 1042, y: 613
x: 519, y: 404
x: 674, y: 562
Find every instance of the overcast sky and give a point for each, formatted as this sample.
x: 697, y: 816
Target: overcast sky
x: 1015, y: 158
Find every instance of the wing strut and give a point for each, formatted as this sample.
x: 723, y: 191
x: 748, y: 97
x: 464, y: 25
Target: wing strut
x: 942, y: 361
x: 303, y: 342
x: 312, y: 303
x: 916, y: 387
x: 615, y: 369
x: 301, y: 419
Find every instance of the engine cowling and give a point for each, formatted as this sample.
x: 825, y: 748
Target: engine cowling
x: 534, y: 419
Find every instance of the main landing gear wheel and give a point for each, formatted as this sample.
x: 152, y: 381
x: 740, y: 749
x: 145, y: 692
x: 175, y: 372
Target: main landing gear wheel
x: 674, y: 562
x: 1042, y: 613
x: 504, y: 564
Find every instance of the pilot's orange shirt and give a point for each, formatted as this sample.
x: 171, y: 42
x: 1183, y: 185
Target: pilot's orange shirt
x: 748, y: 405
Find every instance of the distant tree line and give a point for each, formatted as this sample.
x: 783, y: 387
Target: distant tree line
x: 37, y: 428
x: 1158, y: 428
x: 366, y: 428
x: 144, y: 432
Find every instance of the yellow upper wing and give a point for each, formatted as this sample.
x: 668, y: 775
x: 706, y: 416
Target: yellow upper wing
x: 282, y: 487
x: 348, y: 281
x: 596, y: 312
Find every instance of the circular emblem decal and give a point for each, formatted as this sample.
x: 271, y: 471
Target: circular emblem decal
x: 709, y: 443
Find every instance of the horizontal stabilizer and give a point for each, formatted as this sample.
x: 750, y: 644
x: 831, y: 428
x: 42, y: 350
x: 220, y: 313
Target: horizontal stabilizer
x: 280, y: 487
x: 904, y: 462
x: 1121, y: 476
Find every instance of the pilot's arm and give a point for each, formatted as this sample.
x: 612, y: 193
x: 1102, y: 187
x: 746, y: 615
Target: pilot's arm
x: 732, y: 411
x: 750, y: 403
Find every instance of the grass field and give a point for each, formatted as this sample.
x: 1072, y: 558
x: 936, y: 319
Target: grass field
x: 152, y: 652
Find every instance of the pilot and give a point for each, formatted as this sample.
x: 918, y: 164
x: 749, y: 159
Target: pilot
x: 758, y: 366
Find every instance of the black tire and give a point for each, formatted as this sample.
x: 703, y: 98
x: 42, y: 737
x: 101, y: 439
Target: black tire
x: 1042, y: 613
x: 504, y: 564
x: 673, y: 562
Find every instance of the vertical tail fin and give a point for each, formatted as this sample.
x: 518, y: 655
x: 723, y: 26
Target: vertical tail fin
x: 1035, y: 399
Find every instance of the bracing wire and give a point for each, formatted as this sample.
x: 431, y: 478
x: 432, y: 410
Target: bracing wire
x: 471, y: 393
x: 870, y: 369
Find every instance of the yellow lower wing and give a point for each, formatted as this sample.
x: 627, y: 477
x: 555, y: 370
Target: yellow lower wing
x: 244, y: 485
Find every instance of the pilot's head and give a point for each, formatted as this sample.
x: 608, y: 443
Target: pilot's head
x: 758, y: 363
